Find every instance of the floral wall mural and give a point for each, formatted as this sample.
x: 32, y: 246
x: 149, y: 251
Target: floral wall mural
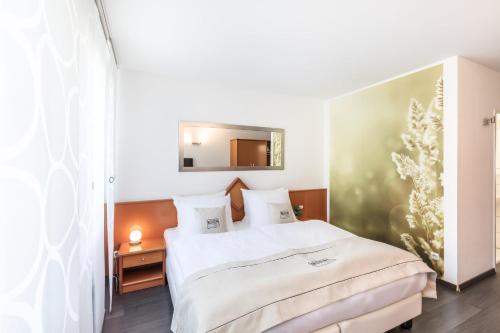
x: 386, y: 164
x: 422, y: 164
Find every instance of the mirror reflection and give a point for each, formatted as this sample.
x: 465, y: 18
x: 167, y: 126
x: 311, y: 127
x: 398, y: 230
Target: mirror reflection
x: 207, y: 146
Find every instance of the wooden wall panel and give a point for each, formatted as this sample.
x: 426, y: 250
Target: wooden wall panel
x: 314, y: 202
x: 237, y: 207
x: 152, y: 216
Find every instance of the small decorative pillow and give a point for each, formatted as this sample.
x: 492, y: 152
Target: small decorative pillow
x: 211, y: 220
x: 281, y: 213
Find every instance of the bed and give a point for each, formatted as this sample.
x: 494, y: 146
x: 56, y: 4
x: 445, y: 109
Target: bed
x: 379, y: 297
x: 270, y: 273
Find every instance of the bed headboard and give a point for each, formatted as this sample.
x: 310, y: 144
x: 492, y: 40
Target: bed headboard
x: 154, y: 216
x: 237, y: 208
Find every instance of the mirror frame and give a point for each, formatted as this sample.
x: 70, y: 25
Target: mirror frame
x: 184, y: 124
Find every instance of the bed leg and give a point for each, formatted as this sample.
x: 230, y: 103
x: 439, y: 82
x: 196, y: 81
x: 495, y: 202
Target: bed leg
x: 407, y: 325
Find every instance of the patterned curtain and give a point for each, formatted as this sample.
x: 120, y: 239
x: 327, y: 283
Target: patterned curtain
x: 55, y: 67
x: 110, y: 180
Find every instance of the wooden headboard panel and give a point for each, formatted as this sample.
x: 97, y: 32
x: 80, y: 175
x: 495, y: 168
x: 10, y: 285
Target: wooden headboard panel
x: 237, y: 207
x: 154, y: 216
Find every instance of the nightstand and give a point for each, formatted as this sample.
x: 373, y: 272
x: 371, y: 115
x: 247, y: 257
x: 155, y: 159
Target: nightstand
x: 141, y: 266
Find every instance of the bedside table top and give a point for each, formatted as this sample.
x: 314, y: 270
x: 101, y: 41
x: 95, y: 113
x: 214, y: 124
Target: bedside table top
x: 147, y: 245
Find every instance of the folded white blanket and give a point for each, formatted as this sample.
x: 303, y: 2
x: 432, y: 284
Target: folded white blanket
x: 198, y: 252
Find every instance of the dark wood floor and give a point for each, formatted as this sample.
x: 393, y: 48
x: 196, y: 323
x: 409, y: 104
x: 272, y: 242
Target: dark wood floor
x: 476, y: 309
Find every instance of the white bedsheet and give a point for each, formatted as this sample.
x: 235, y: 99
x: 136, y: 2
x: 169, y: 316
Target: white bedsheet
x: 197, y: 252
x: 189, y: 255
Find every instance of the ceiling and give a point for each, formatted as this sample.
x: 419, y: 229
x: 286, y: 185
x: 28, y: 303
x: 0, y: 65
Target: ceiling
x: 317, y: 48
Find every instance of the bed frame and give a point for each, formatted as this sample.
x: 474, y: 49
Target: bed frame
x: 381, y: 320
x: 154, y: 216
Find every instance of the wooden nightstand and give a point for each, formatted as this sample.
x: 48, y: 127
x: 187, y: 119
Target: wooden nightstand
x: 141, y: 266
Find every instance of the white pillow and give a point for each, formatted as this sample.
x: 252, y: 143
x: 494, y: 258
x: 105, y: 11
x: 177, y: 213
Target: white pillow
x: 281, y: 212
x: 186, y: 205
x: 256, y: 203
x: 246, y: 201
x: 211, y: 220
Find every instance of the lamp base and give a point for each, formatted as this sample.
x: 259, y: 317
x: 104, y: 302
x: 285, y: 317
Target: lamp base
x: 134, y: 242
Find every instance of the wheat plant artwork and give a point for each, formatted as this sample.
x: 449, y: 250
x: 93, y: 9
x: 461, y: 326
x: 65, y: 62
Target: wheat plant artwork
x: 421, y: 165
x: 276, y: 145
x: 386, y: 161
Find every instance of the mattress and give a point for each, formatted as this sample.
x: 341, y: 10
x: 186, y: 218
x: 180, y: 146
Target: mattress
x: 183, y: 259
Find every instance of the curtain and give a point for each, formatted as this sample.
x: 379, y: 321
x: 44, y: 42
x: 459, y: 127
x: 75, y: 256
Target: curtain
x: 110, y: 179
x: 55, y: 69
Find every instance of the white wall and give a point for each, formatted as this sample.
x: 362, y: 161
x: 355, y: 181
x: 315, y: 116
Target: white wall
x: 497, y: 161
x: 450, y: 169
x: 497, y: 189
x: 471, y: 92
x: 54, y: 65
x: 148, y: 113
x: 478, y: 95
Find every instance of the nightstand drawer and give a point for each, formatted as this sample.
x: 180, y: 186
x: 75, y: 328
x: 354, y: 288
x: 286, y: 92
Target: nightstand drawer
x: 142, y: 259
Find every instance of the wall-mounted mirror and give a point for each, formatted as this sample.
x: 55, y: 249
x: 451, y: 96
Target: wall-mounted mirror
x: 218, y: 147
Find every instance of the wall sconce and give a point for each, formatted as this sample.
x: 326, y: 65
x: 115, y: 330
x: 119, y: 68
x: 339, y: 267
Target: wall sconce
x: 199, y: 136
x: 135, y: 236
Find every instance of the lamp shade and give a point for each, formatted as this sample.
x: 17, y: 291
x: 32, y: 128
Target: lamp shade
x: 135, y: 236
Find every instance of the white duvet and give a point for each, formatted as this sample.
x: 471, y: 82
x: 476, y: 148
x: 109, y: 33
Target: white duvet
x: 191, y: 254
x: 198, y: 252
